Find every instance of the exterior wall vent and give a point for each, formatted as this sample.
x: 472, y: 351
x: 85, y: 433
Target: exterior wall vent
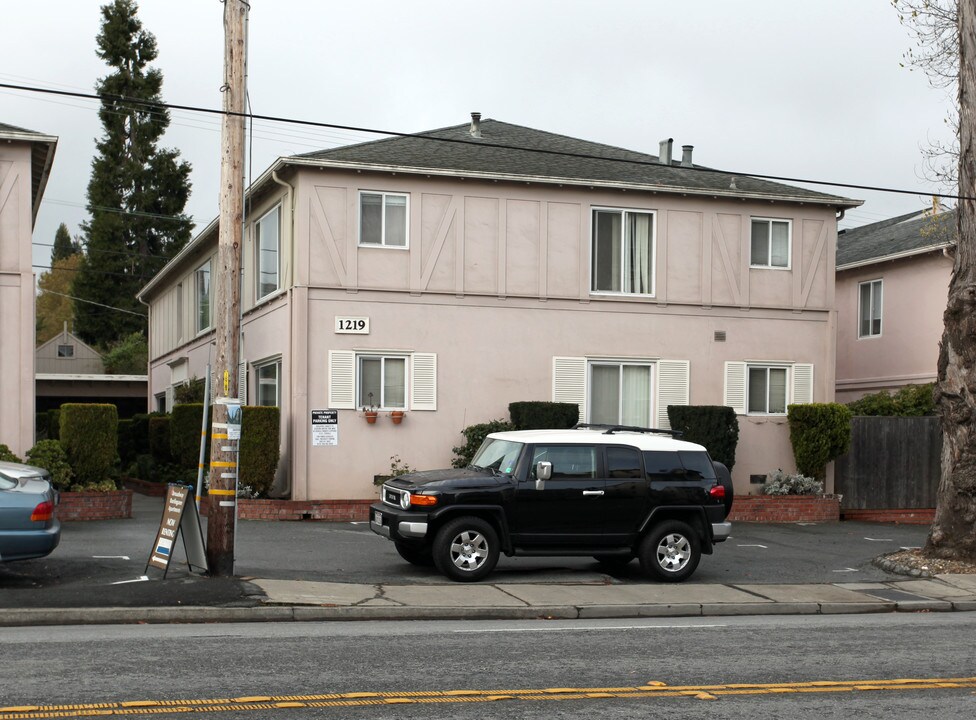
x: 719, y: 336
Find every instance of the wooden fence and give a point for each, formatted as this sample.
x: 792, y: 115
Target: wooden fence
x: 894, y: 463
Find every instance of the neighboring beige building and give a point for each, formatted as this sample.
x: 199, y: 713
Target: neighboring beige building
x: 68, y: 354
x: 25, y: 165
x: 451, y: 273
x: 892, y: 285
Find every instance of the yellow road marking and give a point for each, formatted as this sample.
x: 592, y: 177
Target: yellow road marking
x: 653, y: 689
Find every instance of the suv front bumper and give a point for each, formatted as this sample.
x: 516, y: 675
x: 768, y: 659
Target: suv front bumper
x: 397, y: 524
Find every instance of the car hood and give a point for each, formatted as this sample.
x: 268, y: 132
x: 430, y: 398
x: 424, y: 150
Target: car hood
x: 455, y: 477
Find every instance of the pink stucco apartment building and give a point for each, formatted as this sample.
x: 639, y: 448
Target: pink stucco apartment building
x: 892, y: 285
x: 449, y: 273
x: 25, y: 165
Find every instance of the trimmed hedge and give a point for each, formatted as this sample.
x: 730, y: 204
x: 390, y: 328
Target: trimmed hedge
x: 159, y: 439
x: 909, y: 401
x: 184, y: 434
x: 260, y: 448
x: 819, y: 432
x: 127, y: 452
x: 538, y: 415
x: 140, y: 433
x: 90, y: 437
x: 50, y: 455
x: 54, y: 424
x: 714, y: 426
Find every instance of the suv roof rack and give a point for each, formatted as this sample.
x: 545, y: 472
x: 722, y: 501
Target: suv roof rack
x: 611, y: 429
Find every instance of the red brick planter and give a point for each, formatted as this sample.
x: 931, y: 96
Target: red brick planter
x: 785, y: 508
x: 328, y: 510
x: 144, y: 487
x: 917, y: 516
x: 115, y: 505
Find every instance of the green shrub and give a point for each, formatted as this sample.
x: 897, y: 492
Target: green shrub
x: 90, y: 437
x: 49, y: 455
x: 140, y: 434
x: 40, y: 424
x: 714, y: 426
x: 909, y: 401
x: 189, y: 393
x: 819, y: 433
x: 54, y: 424
x: 159, y: 439
x: 474, y: 435
x: 537, y: 415
x: 184, y: 435
x: 7, y: 455
x: 781, y: 483
x: 126, y: 445
x: 260, y: 449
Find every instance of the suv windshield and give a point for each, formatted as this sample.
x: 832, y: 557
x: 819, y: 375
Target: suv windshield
x: 500, y: 455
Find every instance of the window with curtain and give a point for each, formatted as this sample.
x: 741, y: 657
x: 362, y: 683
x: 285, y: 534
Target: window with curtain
x: 770, y: 243
x: 383, y: 219
x: 269, y: 384
x: 382, y: 381
x: 267, y: 241
x: 620, y: 394
x: 622, y: 254
x: 767, y: 390
x: 204, y: 310
x: 869, y: 311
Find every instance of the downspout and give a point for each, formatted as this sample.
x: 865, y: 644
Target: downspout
x: 841, y: 213
x: 286, y: 490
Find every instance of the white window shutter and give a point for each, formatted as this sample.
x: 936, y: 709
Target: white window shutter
x: 342, y: 379
x: 242, y: 382
x: 672, y: 388
x: 423, y: 381
x: 735, y: 386
x: 569, y: 382
x: 802, y: 383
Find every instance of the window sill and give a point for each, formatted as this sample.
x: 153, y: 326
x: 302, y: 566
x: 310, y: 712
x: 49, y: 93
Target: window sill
x: 621, y: 295
x: 770, y: 267
x: 383, y: 247
x: 264, y: 299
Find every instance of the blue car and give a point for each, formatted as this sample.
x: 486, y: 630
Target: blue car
x: 29, y: 527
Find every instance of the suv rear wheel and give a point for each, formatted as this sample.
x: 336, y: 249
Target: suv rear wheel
x: 466, y: 549
x: 670, y: 551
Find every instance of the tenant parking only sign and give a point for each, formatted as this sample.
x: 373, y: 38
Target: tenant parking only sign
x: 178, y: 515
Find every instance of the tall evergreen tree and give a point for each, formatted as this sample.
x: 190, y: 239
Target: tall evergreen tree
x: 64, y: 246
x: 137, y: 191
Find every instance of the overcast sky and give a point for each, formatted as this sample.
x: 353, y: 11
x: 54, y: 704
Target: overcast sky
x: 809, y: 90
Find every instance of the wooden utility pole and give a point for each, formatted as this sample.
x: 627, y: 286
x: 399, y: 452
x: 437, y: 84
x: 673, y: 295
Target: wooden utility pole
x: 226, y: 284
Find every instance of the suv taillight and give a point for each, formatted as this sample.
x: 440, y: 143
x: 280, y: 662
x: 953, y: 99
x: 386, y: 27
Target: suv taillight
x: 717, y: 492
x: 43, y: 512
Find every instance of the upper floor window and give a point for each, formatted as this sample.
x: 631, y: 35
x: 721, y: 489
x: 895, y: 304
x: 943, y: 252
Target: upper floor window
x: 204, y: 309
x: 383, y: 219
x: 267, y: 240
x: 622, y: 254
x: 770, y: 243
x: 869, y: 310
x: 767, y: 390
x: 66, y: 351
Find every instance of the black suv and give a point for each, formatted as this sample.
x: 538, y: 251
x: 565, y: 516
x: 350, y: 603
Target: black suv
x: 611, y: 492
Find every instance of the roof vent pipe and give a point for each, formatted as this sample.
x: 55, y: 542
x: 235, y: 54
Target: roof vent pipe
x: 664, y: 154
x: 475, y: 125
x: 686, y: 155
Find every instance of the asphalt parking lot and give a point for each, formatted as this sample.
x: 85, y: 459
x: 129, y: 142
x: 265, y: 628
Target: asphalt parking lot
x: 103, y: 558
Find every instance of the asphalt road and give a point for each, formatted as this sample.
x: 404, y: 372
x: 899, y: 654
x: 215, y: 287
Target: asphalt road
x: 94, y: 555
x: 812, y: 666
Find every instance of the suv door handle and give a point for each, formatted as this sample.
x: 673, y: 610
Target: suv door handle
x: 592, y: 492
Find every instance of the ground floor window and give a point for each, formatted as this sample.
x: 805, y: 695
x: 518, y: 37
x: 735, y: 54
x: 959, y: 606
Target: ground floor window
x: 767, y: 390
x: 269, y: 383
x: 382, y: 381
x: 620, y: 394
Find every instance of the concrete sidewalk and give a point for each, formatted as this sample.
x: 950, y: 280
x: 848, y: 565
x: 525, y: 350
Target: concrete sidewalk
x: 298, y: 600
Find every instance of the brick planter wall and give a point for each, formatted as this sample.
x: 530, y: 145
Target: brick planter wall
x: 328, y: 510
x: 917, y: 516
x: 115, y: 505
x: 785, y: 508
x: 144, y: 487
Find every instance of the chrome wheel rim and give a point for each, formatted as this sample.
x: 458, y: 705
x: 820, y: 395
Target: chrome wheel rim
x: 469, y: 550
x: 673, y: 552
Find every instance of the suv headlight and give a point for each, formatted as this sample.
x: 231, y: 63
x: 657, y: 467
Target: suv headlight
x: 405, y: 500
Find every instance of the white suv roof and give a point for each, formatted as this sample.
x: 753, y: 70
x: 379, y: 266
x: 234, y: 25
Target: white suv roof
x: 600, y: 436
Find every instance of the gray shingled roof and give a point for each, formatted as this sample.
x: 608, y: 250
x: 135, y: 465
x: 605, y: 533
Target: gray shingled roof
x: 914, y: 232
x: 515, y: 151
x: 13, y: 128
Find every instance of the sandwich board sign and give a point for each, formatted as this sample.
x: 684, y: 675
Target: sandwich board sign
x: 179, y: 517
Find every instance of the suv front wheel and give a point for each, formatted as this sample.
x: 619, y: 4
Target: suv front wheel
x: 670, y: 551
x: 466, y: 549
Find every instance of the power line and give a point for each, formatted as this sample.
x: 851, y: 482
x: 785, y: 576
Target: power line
x: 92, y: 302
x: 458, y: 141
x: 96, y: 272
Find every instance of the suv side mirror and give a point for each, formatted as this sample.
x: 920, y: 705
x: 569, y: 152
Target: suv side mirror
x: 543, y: 471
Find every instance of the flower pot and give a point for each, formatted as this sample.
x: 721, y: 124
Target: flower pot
x: 370, y: 416
x: 396, y: 416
